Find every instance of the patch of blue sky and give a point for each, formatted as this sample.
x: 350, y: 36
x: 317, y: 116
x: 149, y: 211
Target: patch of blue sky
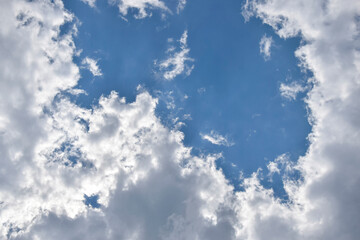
x: 92, y: 201
x: 232, y: 89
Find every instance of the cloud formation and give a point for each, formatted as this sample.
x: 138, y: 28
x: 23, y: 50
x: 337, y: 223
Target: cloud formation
x: 56, y: 154
x: 140, y: 5
x: 290, y: 91
x: 181, y: 5
x: 217, y: 139
x: 176, y: 63
x: 147, y: 183
x: 265, y: 47
x: 325, y: 196
x: 92, y: 66
x: 91, y: 3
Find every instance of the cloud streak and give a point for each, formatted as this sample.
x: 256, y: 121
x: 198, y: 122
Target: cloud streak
x: 217, y: 139
x: 176, y: 64
x: 92, y: 66
x: 265, y: 47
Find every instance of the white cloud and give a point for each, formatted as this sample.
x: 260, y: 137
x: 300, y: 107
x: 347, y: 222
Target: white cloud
x: 76, y: 91
x: 140, y: 5
x: 180, y: 6
x: 325, y: 197
x: 273, y: 168
x: 217, y: 139
x: 92, y: 66
x: 281, y: 163
x: 55, y: 152
x: 38, y: 65
x: 265, y: 47
x: 91, y: 3
x: 167, y: 97
x: 149, y: 185
x: 290, y: 91
x: 176, y: 64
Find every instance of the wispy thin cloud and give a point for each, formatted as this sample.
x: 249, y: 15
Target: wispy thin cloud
x: 217, y: 139
x: 265, y: 47
x: 141, y: 5
x: 180, y: 6
x: 91, y: 3
x: 177, y: 62
x: 290, y: 91
x: 92, y: 66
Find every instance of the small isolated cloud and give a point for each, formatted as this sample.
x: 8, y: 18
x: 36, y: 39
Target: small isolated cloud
x: 140, y: 5
x: 76, y: 91
x: 290, y: 91
x: 180, y: 6
x: 92, y: 66
x: 217, y: 139
x: 91, y: 3
x: 201, y: 90
x: 265, y: 47
x: 176, y: 64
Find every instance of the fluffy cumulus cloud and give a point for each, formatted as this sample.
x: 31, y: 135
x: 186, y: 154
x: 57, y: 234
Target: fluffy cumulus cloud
x: 265, y: 47
x: 36, y: 65
x: 217, y: 139
x: 325, y: 201
x: 177, y: 62
x: 145, y: 182
x: 56, y: 154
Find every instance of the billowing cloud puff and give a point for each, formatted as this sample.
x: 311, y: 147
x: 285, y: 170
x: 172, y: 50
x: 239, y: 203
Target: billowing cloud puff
x: 326, y: 197
x: 144, y: 182
x: 56, y: 154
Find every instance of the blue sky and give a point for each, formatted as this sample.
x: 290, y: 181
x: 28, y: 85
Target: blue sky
x: 179, y: 119
x: 232, y: 89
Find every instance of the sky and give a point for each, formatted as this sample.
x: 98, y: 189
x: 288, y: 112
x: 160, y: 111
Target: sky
x: 179, y: 119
